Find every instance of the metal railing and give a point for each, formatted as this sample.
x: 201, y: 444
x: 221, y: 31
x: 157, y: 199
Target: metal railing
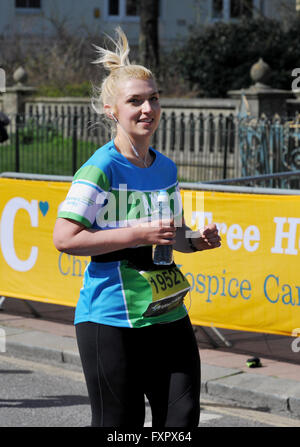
x: 221, y: 186
x: 203, y: 146
x: 282, y: 180
x: 269, y: 145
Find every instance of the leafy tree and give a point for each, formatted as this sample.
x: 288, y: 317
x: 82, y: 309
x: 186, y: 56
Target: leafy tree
x: 148, y: 37
x: 218, y: 57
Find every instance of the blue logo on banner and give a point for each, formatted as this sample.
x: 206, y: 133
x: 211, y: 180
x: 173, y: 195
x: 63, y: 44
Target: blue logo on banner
x: 44, y: 207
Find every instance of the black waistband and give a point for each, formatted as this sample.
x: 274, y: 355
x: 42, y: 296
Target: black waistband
x: 139, y: 256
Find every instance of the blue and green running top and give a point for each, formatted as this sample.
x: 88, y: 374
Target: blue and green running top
x: 108, y: 191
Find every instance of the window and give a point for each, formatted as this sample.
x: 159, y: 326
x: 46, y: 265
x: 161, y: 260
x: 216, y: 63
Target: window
x: 239, y: 8
x: 123, y: 9
x: 217, y: 9
x: 113, y: 7
x: 33, y: 4
x: 233, y: 9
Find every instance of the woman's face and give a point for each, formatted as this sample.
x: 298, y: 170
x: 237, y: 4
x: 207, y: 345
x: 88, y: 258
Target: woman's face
x: 137, y: 108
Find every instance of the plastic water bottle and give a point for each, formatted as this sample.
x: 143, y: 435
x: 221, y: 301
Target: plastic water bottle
x: 163, y: 254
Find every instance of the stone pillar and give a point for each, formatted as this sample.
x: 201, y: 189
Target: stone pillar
x: 15, y: 97
x: 262, y: 98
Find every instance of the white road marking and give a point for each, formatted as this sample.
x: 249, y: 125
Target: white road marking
x: 253, y: 415
x: 207, y: 417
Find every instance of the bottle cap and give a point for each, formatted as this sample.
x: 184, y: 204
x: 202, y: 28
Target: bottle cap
x: 163, y: 196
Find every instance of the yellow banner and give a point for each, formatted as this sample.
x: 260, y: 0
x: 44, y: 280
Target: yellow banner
x: 31, y: 267
x: 250, y: 283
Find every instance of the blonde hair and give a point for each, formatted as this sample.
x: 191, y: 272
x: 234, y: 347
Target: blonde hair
x: 119, y: 67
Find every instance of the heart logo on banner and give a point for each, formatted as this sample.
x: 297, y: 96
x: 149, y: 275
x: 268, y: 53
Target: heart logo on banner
x: 44, y: 207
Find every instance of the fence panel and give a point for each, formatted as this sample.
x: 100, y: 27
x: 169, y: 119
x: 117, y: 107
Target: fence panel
x: 269, y: 145
x: 205, y: 147
x: 58, y: 140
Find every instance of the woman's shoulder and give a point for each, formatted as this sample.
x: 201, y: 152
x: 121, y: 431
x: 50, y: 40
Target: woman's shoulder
x: 102, y: 156
x: 97, y: 169
x: 163, y: 160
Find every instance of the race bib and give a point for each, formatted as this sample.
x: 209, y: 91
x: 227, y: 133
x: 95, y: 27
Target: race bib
x: 169, y: 287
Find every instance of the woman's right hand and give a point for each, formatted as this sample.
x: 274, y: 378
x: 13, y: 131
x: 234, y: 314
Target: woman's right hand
x: 156, y: 232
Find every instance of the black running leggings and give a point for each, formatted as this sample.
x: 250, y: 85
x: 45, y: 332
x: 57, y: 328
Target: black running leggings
x: 122, y: 365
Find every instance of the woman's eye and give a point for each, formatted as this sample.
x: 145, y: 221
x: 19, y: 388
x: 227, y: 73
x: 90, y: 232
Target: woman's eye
x: 137, y: 101
x: 134, y: 100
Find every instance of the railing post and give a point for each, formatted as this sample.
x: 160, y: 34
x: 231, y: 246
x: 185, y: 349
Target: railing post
x: 17, y: 144
x: 74, y: 143
x: 227, y: 136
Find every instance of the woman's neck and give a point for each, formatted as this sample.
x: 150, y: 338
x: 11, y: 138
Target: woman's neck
x: 136, y: 152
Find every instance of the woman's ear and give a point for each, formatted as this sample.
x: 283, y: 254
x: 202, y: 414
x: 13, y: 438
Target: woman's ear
x: 108, y: 110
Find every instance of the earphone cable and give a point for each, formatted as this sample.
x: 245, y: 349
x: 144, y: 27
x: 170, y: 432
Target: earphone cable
x: 130, y: 142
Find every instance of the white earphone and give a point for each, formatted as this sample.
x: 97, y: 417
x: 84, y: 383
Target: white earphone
x: 113, y: 116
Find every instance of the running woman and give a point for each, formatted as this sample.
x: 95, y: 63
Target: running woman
x: 133, y: 330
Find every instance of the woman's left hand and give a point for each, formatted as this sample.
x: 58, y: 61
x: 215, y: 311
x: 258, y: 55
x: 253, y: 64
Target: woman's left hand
x: 209, y: 238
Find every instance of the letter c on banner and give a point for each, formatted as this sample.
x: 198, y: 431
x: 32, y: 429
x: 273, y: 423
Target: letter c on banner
x: 7, y: 233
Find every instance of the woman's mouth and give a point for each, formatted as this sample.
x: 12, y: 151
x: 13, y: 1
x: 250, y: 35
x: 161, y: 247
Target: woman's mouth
x: 146, y: 120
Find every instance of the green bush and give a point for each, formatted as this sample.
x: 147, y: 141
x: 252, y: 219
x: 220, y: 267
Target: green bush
x: 32, y: 131
x: 218, y: 57
x: 51, y: 90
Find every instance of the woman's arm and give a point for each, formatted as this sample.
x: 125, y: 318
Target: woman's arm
x: 205, y: 239
x: 74, y: 238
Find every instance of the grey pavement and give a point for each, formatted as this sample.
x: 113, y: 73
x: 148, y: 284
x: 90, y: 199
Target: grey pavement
x: 274, y: 387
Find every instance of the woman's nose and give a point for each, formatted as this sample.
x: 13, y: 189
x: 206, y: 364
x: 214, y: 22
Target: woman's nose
x: 147, y: 107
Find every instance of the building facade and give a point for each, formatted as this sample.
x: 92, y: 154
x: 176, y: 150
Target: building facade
x: 41, y: 18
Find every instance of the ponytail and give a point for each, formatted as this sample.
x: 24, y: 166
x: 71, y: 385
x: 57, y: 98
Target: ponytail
x: 119, y: 67
x: 114, y: 60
